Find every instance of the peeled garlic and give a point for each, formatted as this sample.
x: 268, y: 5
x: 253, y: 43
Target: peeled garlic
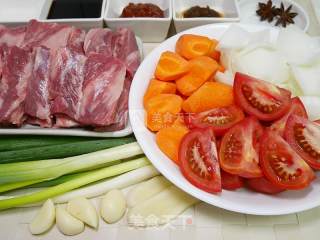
x: 67, y: 224
x: 44, y: 219
x: 113, y: 206
x: 83, y: 209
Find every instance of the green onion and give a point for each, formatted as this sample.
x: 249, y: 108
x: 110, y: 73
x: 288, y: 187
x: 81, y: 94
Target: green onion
x: 73, y: 184
x: 66, y: 149
x: 50, y: 169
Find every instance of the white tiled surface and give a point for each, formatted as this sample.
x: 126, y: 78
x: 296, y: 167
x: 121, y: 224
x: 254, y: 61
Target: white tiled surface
x: 201, y: 222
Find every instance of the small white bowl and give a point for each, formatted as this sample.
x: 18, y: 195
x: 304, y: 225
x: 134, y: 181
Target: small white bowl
x: 229, y: 8
x: 17, y: 12
x: 148, y: 29
x: 248, y: 14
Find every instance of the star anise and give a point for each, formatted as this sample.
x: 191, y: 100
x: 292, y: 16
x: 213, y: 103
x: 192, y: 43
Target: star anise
x: 285, y: 16
x: 266, y: 11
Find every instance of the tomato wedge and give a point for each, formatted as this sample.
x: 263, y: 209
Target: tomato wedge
x: 198, y: 160
x: 259, y: 98
x: 263, y: 185
x: 220, y: 119
x: 239, y: 151
x: 297, y: 108
x: 304, y: 137
x: 281, y: 165
x: 230, y: 181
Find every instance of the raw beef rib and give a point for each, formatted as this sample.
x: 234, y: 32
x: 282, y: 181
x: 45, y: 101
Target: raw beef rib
x: 37, y: 105
x: 99, y: 40
x: 102, y: 88
x: 16, y: 71
x: 65, y: 82
x: 12, y: 36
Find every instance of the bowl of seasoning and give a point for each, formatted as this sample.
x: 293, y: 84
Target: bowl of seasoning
x: 80, y: 13
x: 149, y: 19
x: 189, y: 13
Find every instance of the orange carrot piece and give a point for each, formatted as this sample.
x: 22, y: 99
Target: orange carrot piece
x: 190, y: 46
x: 171, y: 66
x: 209, y: 95
x: 221, y: 68
x: 201, y: 70
x: 157, y: 87
x: 213, y: 53
x: 162, y: 111
x: 168, y: 139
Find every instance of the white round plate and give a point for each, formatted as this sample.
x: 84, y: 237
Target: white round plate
x: 248, y: 14
x: 243, y: 201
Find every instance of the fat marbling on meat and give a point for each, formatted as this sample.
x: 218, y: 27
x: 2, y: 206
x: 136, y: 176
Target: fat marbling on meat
x: 65, y: 83
x: 102, y: 88
x: 99, y: 40
x: 16, y: 71
x: 52, y: 35
x: 37, y: 105
x: 12, y: 36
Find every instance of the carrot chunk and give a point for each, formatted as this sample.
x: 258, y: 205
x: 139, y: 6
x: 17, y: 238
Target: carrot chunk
x: 201, y: 70
x: 209, y: 95
x: 162, y: 111
x: 171, y: 66
x: 190, y: 46
x: 157, y: 87
x: 168, y: 139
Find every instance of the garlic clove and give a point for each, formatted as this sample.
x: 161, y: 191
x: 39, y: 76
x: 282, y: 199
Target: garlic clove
x: 113, y: 206
x: 84, y: 210
x: 44, y: 219
x: 67, y: 224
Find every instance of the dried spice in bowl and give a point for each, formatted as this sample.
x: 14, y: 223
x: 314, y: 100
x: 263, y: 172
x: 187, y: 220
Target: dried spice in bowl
x: 142, y: 10
x: 197, y: 11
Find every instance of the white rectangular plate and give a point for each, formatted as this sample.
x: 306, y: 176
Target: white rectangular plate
x: 34, y: 130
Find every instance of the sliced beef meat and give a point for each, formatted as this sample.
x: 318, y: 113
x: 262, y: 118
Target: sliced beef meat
x: 65, y: 82
x: 50, y: 35
x: 126, y: 49
x: 12, y: 36
x: 102, y: 88
x: 121, y: 118
x: 16, y: 71
x: 37, y: 105
x: 99, y: 40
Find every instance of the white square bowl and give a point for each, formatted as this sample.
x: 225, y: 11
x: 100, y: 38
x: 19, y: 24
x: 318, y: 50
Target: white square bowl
x: 84, y: 23
x: 148, y: 29
x: 18, y: 12
x: 229, y: 9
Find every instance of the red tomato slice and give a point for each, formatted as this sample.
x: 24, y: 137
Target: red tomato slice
x: 281, y: 165
x: 261, y: 99
x: 304, y: 137
x: 198, y: 160
x: 239, y: 151
x: 230, y: 181
x: 263, y: 185
x: 220, y: 119
x: 297, y: 108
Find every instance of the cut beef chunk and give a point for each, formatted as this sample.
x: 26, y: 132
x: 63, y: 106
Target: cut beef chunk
x: 65, y: 82
x: 16, y: 71
x: 99, y: 41
x: 12, y: 36
x: 102, y: 88
x: 50, y: 35
x: 126, y: 49
x: 37, y: 99
x: 121, y: 118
